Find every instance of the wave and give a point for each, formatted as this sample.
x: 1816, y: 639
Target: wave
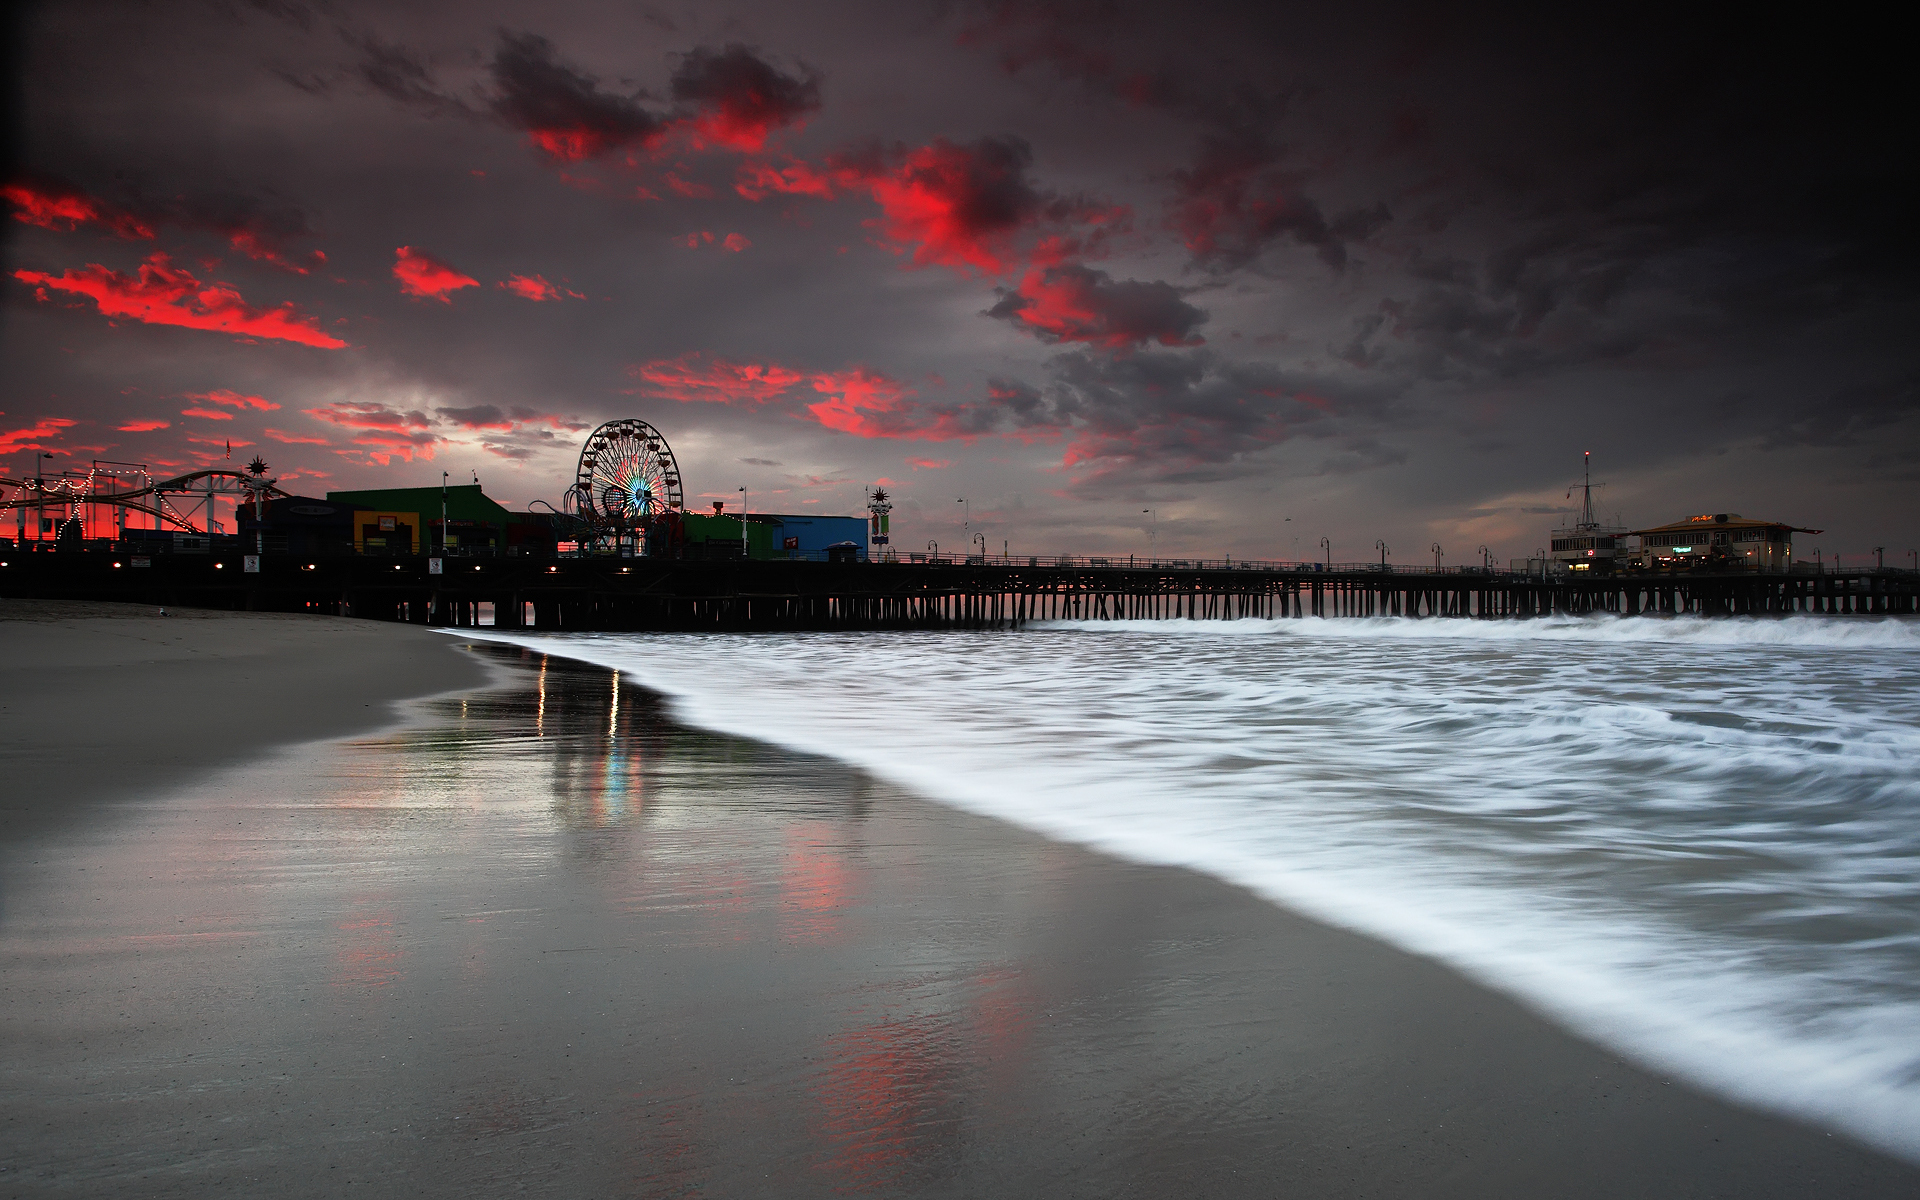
x: 1857, y: 632
x: 1707, y: 859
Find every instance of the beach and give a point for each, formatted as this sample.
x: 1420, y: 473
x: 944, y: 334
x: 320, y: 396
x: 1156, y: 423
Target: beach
x: 309, y: 906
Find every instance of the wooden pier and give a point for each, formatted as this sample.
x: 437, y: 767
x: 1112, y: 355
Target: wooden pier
x: 605, y: 593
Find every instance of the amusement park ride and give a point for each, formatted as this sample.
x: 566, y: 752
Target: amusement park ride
x: 626, y: 494
x: 76, y: 498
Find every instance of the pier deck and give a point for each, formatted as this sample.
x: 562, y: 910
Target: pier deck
x: 605, y: 593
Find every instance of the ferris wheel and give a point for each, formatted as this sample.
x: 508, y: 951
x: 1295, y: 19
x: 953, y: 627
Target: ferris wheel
x: 627, y: 478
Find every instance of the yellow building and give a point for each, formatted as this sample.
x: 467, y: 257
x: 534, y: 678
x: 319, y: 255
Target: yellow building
x: 385, y: 532
x: 1726, y: 541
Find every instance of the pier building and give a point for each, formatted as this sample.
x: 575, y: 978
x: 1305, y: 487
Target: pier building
x: 1720, y: 541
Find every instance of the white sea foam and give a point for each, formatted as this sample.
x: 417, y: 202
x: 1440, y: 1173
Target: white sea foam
x: 1698, y: 841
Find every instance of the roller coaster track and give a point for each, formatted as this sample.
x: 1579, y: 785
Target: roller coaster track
x: 74, y: 489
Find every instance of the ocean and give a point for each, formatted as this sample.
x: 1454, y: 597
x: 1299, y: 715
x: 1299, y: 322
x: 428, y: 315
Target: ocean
x: 1694, y: 841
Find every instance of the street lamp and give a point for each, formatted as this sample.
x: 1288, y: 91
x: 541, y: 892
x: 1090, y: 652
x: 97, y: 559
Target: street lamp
x: 980, y: 540
x: 743, y: 524
x: 966, y: 520
x: 1436, y: 556
x: 1540, y: 552
x: 1153, y: 527
x: 1486, y: 559
x: 1879, y: 558
x: 1327, y: 547
x: 1381, y: 546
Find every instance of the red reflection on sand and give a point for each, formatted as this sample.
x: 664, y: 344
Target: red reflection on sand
x: 886, y: 1101
x: 816, y: 886
x: 1003, y: 1011
x: 370, y: 953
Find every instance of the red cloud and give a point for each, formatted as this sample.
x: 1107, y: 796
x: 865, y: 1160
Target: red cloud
x: 741, y: 98
x: 212, y: 414
x: 687, y: 379
x: 758, y: 180
x: 535, y: 288
x: 859, y: 401
x: 421, y: 274
x: 29, y: 437
x: 692, y: 240
x: 53, y: 205
x: 687, y: 188
x: 369, y: 414
x: 931, y: 464
x: 967, y: 207
x: 165, y: 295
x: 736, y: 242
x: 255, y: 245
x: 957, y: 206
x: 294, y: 439
x: 1072, y: 303
x: 387, y: 433
x: 145, y: 425
x: 233, y: 399
x: 384, y: 447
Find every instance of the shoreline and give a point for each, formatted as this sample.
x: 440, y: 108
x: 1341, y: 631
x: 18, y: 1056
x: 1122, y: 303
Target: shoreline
x: 113, y: 700
x: 907, y: 996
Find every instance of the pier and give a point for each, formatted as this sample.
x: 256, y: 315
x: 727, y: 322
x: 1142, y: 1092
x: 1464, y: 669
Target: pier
x: 604, y: 592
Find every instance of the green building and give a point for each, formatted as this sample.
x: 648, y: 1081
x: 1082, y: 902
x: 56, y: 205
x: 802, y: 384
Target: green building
x: 407, y: 520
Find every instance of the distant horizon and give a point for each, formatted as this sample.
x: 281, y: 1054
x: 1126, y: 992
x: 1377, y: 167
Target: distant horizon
x: 1195, y: 281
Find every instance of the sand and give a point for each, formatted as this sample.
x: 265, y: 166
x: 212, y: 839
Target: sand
x: 542, y: 940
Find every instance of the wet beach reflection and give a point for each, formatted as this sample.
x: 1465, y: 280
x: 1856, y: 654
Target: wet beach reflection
x: 546, y: 939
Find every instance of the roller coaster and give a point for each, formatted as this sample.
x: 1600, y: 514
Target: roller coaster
x: 130, y: 488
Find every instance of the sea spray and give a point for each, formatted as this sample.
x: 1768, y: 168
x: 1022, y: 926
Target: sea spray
x: 1695, y: 840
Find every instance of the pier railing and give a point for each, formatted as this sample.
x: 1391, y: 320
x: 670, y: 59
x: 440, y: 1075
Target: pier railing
x: 978, y: 592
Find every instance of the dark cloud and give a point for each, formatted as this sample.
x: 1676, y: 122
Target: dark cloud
x: 564, y: 112
x: 394, y: 71
x: 738, y: 98
x: 1074, y: 303
x: 1236, y: 201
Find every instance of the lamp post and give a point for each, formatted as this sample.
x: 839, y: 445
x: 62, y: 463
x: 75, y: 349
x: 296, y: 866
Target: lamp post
x: 39, y: 496
x: 1879, y: 558
x: 1381, y: 545
x: 1486, y: 559
x: 743, y: 524
x: 1436, y: 556
x: 443, y: 512
x: 966, y: 520
x: 1326, y: 547
x: 980, y: 540
x: 1153, y: 527
x: 1540, y: 552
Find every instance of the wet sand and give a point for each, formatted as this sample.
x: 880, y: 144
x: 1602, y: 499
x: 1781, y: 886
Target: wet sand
x: 543, y: 940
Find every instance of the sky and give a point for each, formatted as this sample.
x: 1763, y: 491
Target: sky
x: 1192, y: 279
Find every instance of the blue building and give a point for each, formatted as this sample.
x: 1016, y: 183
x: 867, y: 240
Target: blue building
x: 797, y: 536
